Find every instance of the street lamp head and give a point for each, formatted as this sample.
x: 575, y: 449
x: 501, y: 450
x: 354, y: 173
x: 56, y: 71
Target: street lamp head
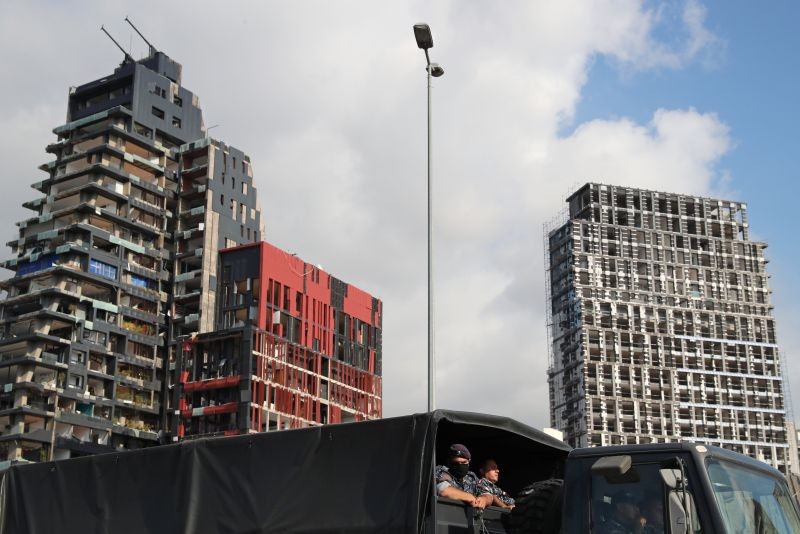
x: 436, y: 70
x: 422, y: 33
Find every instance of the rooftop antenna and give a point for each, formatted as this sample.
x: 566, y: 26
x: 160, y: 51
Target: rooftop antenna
x: 127, y: 55
x: 152, y: 48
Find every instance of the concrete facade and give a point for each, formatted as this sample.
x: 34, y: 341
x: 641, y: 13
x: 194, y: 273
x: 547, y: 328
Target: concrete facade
x: 117, y: 261
x: 294, y: 347
x: 661, y: 326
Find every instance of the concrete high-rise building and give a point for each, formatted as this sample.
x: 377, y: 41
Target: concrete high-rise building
x: 123, y: 327
x: 117, y: 262
x: 661, y: 326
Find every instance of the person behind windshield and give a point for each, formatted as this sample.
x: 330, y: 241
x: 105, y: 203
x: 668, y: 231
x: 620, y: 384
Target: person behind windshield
x: 653, y: 512
x: 487, y: 485
x: 625, y: 517
x: 455, y: 481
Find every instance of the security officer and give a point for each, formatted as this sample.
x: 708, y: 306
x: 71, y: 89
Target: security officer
x: 455, y: 481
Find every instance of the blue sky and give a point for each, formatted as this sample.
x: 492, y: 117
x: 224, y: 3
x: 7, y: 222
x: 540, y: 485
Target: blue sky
x: 751, y: 82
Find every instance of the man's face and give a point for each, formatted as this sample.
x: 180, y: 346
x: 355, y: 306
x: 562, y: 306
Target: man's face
x: 491, y: 471
x: 628, y: 511
x: 459, y: 460
x: 654, y: 512
x: 459, y: 467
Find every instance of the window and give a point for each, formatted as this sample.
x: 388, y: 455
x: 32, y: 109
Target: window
x: 233, y: 183
x: 752, y: 500
x: 77, y: 357
x: 222, y: 200
x: 142, y: 130
x: 244, y: 188
x: 158, y: 112
x: 178, y: 101
x: 76, y: 381
x: 138, y: 282
x: 176, y: 122
x: 103, y: 269
x: 639, y: 493
x: 93, y: 336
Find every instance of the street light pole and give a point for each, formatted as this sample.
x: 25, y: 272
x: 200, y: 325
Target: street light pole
x: 422, y: 33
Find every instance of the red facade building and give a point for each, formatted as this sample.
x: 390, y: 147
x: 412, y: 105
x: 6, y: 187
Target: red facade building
x: 293, y: 347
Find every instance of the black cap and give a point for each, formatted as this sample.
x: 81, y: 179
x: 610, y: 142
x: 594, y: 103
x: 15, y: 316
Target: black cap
x: 458, y: 450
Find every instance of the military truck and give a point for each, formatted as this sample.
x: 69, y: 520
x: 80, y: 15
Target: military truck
x: 377, y: 476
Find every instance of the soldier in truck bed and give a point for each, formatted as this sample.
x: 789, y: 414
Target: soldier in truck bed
x: 490, y: 473
x: 455, y: 481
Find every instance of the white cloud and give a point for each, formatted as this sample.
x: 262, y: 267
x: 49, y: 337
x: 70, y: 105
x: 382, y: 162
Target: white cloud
x: 328, y: 99
x: 677, y: 147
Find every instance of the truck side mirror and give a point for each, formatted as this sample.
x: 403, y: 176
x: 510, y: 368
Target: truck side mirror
x: 677, y: 514
x: 612, y: 466
x: 671, y: 477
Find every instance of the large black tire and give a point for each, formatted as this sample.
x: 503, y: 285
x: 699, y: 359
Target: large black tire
x: 538, y: 508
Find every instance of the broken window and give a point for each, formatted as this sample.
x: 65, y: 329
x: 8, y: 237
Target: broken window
x: 103, y: 269
x: 76, y: 381
x: 143, y: 130
x: 157, y: 112
x: 176, y: 122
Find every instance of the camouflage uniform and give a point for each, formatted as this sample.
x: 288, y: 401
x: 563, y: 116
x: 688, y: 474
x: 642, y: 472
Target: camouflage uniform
x: 444, y: 479
x: 487, y: 486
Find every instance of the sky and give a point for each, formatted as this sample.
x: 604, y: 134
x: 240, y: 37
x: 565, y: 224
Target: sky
x: 538, y: 97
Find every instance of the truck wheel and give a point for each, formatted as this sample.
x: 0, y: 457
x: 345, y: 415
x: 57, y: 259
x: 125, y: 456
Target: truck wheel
x: 538, y: 508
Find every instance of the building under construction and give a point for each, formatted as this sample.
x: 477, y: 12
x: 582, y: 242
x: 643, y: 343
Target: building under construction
x: 294, y: 347
x: 117, y: 267
x: 661, y: 325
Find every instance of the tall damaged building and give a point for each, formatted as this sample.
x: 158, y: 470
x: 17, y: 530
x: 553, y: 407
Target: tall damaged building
x: 661, y: 327
x: 117, y: 267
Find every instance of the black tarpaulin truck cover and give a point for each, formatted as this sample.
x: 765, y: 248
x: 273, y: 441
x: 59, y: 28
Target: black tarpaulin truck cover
x: 370, y: 476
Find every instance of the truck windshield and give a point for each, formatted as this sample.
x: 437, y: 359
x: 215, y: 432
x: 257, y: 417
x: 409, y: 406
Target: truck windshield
x: 751, y: 501
x: 626, y: 504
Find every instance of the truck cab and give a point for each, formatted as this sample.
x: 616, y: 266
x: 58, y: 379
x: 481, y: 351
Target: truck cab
x: 675, y: 488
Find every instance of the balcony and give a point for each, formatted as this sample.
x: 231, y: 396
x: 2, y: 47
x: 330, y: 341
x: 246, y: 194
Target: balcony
x: 193, y: 213
x: 72, y: 443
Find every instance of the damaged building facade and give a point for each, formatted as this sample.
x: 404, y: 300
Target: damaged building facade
x: 117, y: 266
x: 294, y: 347
x: 660, y: 325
